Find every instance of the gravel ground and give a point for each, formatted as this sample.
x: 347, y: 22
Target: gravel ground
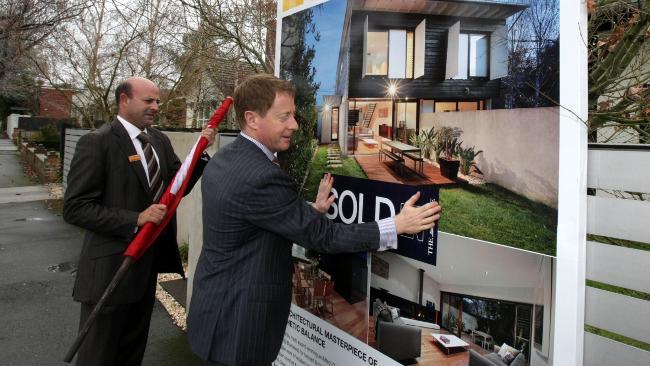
x: 173, y: 308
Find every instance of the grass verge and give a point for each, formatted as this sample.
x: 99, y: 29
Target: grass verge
x: 618, y: 242
x: 617, y: 337
x: 619, y: 290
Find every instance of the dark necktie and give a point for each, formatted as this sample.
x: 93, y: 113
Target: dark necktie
x: 276, y: 161
x: 155, y: 180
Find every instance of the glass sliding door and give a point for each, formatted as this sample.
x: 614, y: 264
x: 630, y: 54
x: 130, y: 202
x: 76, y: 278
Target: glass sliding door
x: 523, y: 326
x: 405, y: 120
x: 487, y: 322
x: 451, y: 313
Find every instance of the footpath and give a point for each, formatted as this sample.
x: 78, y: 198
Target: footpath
x: 38, y: 256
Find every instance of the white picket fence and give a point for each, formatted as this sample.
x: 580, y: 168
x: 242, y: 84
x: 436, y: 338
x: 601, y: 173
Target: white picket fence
x: 620, y: 168
x: 72, y: 135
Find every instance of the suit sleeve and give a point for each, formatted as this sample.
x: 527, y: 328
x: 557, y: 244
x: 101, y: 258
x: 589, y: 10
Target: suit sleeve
x: 275, y: 206
x: 83, y: 204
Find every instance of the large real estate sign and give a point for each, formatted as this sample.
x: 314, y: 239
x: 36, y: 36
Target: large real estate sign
x: 452, y: 99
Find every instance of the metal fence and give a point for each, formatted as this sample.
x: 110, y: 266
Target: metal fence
x: 72, y: 135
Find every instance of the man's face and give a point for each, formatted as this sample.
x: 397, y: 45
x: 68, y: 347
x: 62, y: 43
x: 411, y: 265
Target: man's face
x: 142, y: 108
x: 274, y: 130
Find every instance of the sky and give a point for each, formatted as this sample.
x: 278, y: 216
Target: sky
x: 328, y: 18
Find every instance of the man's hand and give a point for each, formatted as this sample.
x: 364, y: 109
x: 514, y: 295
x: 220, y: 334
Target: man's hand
x: 154, y: 213
x: 323, y: 198
x: 209, y: 133
x: 412, y: 219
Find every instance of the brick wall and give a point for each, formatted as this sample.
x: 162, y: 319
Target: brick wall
x: 46, y: 164
x: 54, y: 103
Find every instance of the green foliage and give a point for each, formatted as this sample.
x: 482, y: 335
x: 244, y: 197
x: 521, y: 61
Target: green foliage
x: 489, y: 212
x: 449, y: 140
x: 618, y: 93
x: 619, y: 242
x: 49, y: 133
x: 416, y: 140
x: 617, y: 337
x: 295, y: 161
x: 619, y: 290
x: 297, y: 57
x: 425, y: 140
x: 184, y: 250
x: 467, y: 157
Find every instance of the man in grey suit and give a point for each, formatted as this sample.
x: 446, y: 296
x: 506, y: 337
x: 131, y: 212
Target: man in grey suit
x: 115, y: 178
x: 251, y: 216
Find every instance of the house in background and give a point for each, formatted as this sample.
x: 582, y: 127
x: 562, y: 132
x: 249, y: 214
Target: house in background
x: 202, y: 93
x: 406, y: 61
x: 55, y: 103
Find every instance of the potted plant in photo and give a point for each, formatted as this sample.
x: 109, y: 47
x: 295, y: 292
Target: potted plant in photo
x: 416, y: 140
x: 437, y: 149
x: 467, y: 156
x: 428, y: 141
x: 425, y: 141
x: 449, y: 139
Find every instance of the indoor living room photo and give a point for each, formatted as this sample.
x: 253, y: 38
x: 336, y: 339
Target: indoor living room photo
x: 486, y: 305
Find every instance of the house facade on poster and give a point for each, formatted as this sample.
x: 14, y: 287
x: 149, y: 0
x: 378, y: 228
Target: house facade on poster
x: 418, y: 58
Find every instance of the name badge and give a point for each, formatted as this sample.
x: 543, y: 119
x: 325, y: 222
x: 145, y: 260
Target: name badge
x: 133, y: 158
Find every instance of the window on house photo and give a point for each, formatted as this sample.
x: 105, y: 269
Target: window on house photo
x: 465, y: 106
x: 409, y: 54
x: 445, y: 107
x: 473, y: 55
x: 400, y: 54
x: 476, y: 55
x: 396, y: 53
x: 468, y: 106
x: 202, y: 115
x: 335, y: 124
x: 377, y: 53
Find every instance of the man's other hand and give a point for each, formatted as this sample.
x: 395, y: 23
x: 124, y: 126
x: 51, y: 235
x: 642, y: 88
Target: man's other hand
x: 154, y: 213
x: 412, y: 219
x: 323, y: 198
x: 209, y: 133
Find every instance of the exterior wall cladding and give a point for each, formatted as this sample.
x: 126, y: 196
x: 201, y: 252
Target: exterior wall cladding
x: 433, y: 84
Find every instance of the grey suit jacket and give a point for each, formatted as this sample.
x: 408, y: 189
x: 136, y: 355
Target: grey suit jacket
x: 106, y: 192
x: 242, y: 285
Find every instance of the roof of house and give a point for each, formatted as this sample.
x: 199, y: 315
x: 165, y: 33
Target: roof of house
x: 487, y: 9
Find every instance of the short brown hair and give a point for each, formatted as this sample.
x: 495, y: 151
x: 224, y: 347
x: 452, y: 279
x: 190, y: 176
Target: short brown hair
x: 124, y: 87
x: 257, y: 94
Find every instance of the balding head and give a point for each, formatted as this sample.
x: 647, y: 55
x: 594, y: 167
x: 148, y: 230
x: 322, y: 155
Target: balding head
x: 137, y: 101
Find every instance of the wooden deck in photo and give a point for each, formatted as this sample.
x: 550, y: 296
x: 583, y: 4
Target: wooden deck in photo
x: 385, y: 171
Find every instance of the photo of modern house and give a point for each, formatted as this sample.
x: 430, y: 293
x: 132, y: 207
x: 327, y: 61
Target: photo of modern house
x: 479, y: 295
x: 407, y: 60
x: 452, y: 93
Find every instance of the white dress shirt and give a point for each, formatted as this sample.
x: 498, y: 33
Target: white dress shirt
x: 133, y: 132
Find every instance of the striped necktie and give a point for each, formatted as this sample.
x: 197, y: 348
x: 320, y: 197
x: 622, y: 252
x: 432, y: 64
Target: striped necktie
x: 155, y: 180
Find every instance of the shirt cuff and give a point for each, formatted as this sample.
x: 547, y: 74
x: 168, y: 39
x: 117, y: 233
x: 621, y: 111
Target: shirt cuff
x: 387, y: 234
